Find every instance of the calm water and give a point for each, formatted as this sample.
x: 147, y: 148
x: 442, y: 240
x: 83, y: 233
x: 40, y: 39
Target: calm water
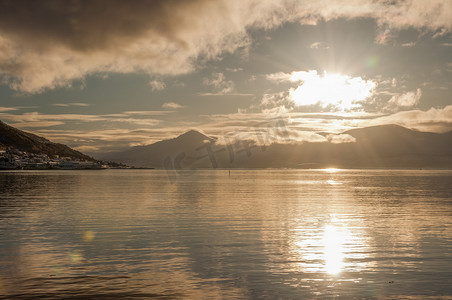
x: 268, y: 234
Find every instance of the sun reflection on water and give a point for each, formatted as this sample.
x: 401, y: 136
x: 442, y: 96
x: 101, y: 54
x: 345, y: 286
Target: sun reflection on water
x: 333, y: 182
x: 331, y: 170
x: 333, y: 250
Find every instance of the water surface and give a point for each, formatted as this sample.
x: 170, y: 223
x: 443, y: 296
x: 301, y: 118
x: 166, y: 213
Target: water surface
x: 267, y: 234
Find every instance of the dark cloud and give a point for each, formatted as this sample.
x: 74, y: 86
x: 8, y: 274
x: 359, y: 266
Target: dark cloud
x: 93, y: 25
x: 48, y: 43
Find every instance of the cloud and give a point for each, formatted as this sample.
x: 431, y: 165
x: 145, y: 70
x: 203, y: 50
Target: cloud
x: 96, y: 140
x: 62, y: 42
x: 101, y: 140
x: 227, y: 124
x: 234, y: 69
x: 219, y: 83
x: 262, y: 130
x: 319, y: 45
x: 137, y: 122
x: 405, y: 100
x: 221, y: 86
x: 276, y: 102
x: 384, y: 37
x: 71, y: 104
x: 37, y: 124
x: 410, y: 44
x: 308, y: 136
x: 157, y: 85
x: 35, y: 119
x: 172, y: 105
x: 7, y: 109
x: 279, y: 77
x: 433, y: 120
x: 145, y: 113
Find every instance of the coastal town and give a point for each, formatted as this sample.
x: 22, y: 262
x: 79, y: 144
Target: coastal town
x: 13, y: 159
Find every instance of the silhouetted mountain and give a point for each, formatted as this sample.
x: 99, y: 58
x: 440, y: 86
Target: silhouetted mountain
x: 385, y: 146
x: 392, y: 145
x: 153, y: 155
x: 14, y: 138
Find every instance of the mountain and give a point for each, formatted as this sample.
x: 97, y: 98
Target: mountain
x: 153, y: 155
x: 14, y: 138
x: 385, y: 146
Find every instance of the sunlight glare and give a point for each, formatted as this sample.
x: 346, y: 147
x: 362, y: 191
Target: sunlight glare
x: 336, y: 91
x: 333, y: 182
x: 333, y: 239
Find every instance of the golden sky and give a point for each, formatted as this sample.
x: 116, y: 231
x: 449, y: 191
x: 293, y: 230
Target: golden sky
x: 107, y: 75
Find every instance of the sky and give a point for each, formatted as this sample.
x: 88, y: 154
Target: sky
x: 103, y: 76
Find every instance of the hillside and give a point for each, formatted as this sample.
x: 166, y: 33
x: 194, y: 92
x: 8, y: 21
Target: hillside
x: 14, y: 138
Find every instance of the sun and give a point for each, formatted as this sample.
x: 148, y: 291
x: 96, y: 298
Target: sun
x: 335, y: 91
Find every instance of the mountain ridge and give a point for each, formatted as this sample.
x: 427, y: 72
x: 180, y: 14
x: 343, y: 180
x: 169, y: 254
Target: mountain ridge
x: 382, y: 146
x: 153, y: 153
